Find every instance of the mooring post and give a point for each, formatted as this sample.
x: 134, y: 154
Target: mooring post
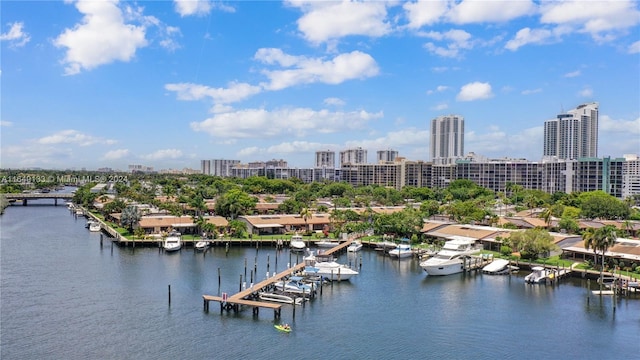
x: 245, y: 267
x: 218, y: 280
x: 169, y: 294
x: 240, y: 285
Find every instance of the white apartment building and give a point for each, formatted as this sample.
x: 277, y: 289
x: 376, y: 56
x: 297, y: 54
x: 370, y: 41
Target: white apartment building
x: 447, y: 139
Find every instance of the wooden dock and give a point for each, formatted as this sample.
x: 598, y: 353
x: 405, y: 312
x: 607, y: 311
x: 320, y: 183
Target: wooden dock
x: 236, y: 301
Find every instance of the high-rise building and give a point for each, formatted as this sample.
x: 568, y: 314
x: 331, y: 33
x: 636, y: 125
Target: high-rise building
x: 354, y: 156
x: 572, y: 135
x: 447, y: 139
x: 205, y: 166
x: 325, y: 159
x: 222, y: 167
x: 386, y: 156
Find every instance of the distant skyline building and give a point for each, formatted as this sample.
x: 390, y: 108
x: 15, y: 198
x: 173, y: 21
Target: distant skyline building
x: 447, y: 139
x: 221, y: 167
x: 355, y: 156
x: 325, y: 159
x: 386, y: 156
x: 572, y: 135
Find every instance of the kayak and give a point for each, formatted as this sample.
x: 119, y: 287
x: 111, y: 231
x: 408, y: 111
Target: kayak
x: 282, y: 328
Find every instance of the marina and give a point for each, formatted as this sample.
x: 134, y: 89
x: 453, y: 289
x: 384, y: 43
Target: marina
x: 115, y: 304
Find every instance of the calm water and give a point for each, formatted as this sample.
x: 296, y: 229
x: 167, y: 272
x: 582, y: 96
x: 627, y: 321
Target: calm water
x: 63, y: 296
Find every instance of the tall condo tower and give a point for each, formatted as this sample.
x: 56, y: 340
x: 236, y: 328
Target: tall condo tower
x: 386, y: 156
x: 447, y: 139
x: 353, y: 156
x: 572, y: 135
x: 325, y: 159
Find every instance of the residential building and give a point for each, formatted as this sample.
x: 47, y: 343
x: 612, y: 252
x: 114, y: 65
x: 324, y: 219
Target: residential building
x: 222, y: 167
x: 631, y: 176
x: 386, y: 156
x: 355, y: 156
x: 447, y: 139
x: 325, y: 159
x: 572, y: 135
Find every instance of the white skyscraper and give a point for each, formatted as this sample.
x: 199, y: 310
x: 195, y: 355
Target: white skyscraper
x: 325, y: 159
x: 353, y: 156
x: 572, y: 135
x: 447, y: 139
x: 386, y: 156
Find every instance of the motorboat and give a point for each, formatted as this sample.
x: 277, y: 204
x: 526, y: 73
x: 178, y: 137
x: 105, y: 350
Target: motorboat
x: 499, y: 267
x: 539, y: 275
x: 284, y: 328
x: 294, y: 285
x: 202, y: 245
x: 386, y: 246
x: 450, y: 259
x: 95, y: 226
x: 401, y: 251
x: 354, y: 246
x: 173, y: 242
x: 326, y: 267
x: 297, y: 244
x: 280, y: 298
x: 331, y: 270
x: 327, y: 244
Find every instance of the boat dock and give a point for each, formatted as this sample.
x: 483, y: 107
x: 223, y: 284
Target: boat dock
x: 244, y: 297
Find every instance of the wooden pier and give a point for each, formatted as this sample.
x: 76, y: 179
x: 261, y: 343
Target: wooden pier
x: 243, y: 298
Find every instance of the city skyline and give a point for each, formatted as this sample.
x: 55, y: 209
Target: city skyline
x: 169, y: 83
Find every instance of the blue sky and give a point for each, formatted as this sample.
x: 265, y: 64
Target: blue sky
x: 168, y: 83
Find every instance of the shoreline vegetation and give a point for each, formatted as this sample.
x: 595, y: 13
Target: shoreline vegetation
x: 132, y: 196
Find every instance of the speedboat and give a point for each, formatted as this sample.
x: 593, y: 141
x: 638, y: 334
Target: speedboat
x: 498, y: 267
x: 354, y: 246
x: 173, y: 242
x: 295, y: 285
x: 538, y: 275
x: 327, y: 244
x: 330, y: 270
x: 95, y: 226
x: 297, y: 244
x: 281, y: 298
x: 401, y: 251
x: 450, y: 259
x: 326, y: 267
x: 202, y: 245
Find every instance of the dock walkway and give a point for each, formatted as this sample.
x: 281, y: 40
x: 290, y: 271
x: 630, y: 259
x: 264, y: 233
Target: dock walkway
x: 235, y: 301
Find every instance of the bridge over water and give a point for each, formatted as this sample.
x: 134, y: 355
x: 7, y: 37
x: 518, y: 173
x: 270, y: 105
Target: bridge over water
x: 25, y: 197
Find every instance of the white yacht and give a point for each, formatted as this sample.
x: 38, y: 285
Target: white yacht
x: 539, y: 275
x: 297, y: 244
x: 354, y: 246
x: 95, y: 226
x: 401, y: 251
x: 173, y: 242
x: 294, y: 285
x: 499, y: 267
x: 449, y: 260
x: 327, y: 268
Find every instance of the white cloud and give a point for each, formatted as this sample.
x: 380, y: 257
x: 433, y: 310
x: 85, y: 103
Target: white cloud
x: 250, y: 151
x: 475, y: 91
x: 634, y: 48
x: 603, y: 20
x: 343, y: 67
x: 439, y: 88
x: 116, y: 154
x: 235, y: 92
x: 496, y: 142
x: 586, y: 92
x: 458, y: 40
x: 607, y: 124
x: 466, y: 12
x: 531, y: 91
x: 325, y: 21
x: 192, y: 7
x: 334, y: 101
x: 101, y: 38
x: 73, y: 137
x: 440, y: 107
x: 531, y: 36
x: 294, y: 147
x: 16, y: 36
x: 6, y: 123
x: 422, y: 13
x: 572, y: 74
x: 164, y: 154
x: 254, y: 123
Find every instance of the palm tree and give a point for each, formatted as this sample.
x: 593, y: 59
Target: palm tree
x: 306, y: 214
x: 130, y: 218
x: 602, y: 239
x: 546, y: 215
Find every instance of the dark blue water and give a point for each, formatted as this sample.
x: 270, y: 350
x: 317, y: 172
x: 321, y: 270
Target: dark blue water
x: 63, y: 296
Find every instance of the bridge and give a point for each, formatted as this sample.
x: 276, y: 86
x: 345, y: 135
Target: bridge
x: 24, y: 197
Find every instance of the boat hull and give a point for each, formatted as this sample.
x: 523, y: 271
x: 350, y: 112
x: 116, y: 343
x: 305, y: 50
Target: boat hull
x: 442, y: 269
